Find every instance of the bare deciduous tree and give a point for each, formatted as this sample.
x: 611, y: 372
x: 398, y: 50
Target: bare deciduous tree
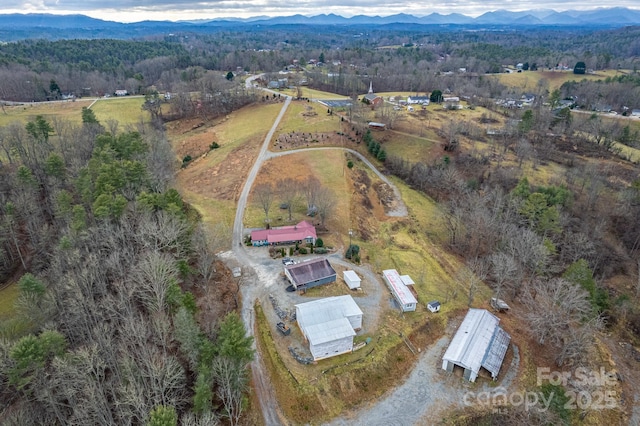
x: 264, y: 195
x: 232, y: 382
x: 288, y: 192
x: 310, y: 188
x: 154, y: 274
x: 556, y: 314
x: 325, y: 202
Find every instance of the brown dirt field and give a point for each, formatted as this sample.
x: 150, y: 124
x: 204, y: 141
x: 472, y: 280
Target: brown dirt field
x: 222, y: 181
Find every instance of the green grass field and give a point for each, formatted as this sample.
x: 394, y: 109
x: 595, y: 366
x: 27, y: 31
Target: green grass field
x: 530, y: 80
x: 125, y: 110
x: 295, y: 119
x: 27, y: 112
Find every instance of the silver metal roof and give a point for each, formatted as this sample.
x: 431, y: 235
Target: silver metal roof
x: 329, y: 331
x: 479, y: 342
x: 326, y: 319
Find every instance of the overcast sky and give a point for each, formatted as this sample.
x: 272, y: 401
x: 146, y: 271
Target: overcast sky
x: 174, y: 10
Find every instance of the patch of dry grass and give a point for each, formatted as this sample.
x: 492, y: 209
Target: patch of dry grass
x: 71, y: 111
x: 308, y: 117
x: 531, y: 80
x: 125, y: 110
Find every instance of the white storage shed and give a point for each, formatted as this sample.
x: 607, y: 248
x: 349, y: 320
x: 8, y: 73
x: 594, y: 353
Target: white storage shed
x: 400, y: 291
x: 329, y: 325
x: 352, y: 279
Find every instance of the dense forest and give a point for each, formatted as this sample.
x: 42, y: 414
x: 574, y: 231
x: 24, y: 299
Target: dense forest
x: 107, y: 329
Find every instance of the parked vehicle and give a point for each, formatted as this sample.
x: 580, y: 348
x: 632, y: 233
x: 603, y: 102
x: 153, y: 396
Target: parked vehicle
x: 283, y: 328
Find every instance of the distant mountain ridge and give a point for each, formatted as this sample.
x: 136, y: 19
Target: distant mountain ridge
x: 15, y: 26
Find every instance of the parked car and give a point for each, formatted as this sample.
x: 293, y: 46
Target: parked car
x: 287, y: 261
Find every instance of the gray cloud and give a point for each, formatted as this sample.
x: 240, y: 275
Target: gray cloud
x: 130, y: 10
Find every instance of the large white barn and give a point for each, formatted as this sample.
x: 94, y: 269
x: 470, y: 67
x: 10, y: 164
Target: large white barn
x: 329, y: 325
x: 479, y: 343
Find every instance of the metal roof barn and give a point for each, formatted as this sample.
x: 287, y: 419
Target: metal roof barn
x: 479, y: 343
x: 329, y: 325
x: 310, y: 273
x: 399, y: 290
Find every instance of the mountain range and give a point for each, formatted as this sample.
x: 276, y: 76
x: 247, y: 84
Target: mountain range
x: 18, y: 26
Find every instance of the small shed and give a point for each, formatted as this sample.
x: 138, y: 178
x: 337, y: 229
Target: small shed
x: 352, y: 279
x: 433, y: 306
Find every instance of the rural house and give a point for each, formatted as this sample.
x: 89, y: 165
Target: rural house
x: 418, y: 100
x: 329, y: 325
x: 310, y: 273
x: 302, y: 232
x: 399, y: 290
x: 479, y: 343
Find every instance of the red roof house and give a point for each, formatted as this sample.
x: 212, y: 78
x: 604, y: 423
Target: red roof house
x: 303, y: 232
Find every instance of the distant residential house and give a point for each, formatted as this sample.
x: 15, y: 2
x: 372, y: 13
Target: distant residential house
x: 302, y: 232
x: 479, y: 343
x: 310, y: 273
x: 273, y: 84
x: 121, y: 92
x: 566, y: 103
x: 377, y: 126
x: 528, y: 98
x: 451, y: 102
x: 418, y: 100
x: 602, y: 108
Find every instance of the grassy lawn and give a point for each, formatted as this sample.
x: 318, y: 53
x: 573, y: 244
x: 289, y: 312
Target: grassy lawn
x: 313, y: 94
x: 125, y: 110
x: 530, y: 80
x: 405, y: 145
x: 300, y: 118
x: 23, y: 113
